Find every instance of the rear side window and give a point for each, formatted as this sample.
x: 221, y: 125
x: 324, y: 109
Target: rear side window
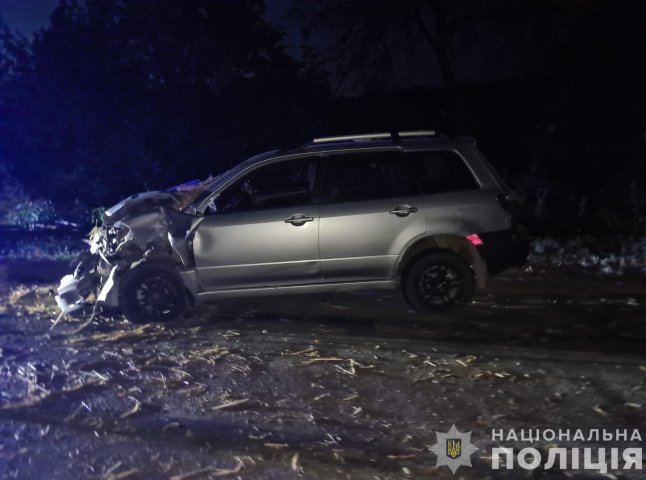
x: 441, y: 171
x: 366, y: 176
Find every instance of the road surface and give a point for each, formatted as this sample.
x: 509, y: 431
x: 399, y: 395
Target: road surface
x: 348, y: 385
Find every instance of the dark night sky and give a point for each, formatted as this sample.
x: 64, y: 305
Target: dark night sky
x: 27, y: 16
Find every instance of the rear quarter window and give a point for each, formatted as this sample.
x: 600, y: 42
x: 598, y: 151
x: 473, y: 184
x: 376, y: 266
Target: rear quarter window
x: 441, y: 171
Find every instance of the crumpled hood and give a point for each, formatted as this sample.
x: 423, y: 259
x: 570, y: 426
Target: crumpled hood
x: 139, y: 203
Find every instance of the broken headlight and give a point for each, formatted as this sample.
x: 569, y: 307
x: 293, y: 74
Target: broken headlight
x: 116, y: 237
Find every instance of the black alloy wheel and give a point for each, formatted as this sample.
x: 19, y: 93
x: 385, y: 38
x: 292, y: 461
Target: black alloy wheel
x: 439, y: 282
x: 152, y: 293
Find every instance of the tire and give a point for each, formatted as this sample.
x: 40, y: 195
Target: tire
x: 152, y: 293
x: 438, y: 282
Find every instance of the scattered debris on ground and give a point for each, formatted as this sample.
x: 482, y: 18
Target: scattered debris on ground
x: 270, y: 391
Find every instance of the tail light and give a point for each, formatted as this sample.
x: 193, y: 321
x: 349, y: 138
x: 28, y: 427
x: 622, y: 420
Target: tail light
x: 474, y: 239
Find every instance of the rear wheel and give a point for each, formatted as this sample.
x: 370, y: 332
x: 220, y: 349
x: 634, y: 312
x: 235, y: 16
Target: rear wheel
x: 439, y: 282
x: 152, y: 293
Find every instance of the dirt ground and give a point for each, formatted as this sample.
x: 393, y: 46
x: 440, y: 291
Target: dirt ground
x: 339, y: 386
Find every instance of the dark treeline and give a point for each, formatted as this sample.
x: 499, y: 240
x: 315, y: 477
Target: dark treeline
x: 116, y: 97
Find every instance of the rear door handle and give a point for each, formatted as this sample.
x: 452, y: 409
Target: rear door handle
x: 403, y: 210
x: 299, y: 219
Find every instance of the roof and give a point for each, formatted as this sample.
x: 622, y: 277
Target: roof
x: 411, y: 139
x: 414, y: 140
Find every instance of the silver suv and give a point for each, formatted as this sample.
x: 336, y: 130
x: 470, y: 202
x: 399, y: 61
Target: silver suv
x: 414, y: 211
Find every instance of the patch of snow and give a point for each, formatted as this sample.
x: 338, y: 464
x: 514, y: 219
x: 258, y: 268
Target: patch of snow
x: 612, y: 256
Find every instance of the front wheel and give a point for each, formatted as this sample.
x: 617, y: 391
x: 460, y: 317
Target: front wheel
x: 439, y: 282
x: 152, y: 293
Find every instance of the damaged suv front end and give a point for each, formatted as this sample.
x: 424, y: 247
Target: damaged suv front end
x: 147, y: 227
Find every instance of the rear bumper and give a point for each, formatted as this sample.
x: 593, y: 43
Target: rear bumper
x: 504, y: 248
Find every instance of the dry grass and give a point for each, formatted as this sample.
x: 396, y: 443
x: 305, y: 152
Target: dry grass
x: 32, y: 301
x: 211, y: 471
x: 116, y: 336
x: 40, y: 308
x: 17, y: 294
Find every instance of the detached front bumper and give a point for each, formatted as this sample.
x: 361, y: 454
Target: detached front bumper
x: 77, y: 292
x: 69, y: 297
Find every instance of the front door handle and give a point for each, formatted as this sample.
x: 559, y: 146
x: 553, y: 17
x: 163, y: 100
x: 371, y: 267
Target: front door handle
x: 403, y: 210
x: 298, y: 219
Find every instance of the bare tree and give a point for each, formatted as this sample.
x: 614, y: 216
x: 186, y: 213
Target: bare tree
x: 359, y: 40
x: 365, y: 35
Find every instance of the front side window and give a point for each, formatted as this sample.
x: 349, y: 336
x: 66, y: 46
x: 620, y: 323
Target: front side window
x: 284, y: 184
x: 365, y: 176
x: 441, y: 171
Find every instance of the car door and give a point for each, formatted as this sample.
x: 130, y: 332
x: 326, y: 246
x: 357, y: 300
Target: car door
x: 368, y: 214
x: 262, y: 230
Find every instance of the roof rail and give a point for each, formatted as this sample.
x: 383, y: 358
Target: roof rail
x: 394, y: 136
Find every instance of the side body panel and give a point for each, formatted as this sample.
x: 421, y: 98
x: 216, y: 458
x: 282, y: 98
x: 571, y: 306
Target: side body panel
x: 257, y: 249
x: 361, y: 241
